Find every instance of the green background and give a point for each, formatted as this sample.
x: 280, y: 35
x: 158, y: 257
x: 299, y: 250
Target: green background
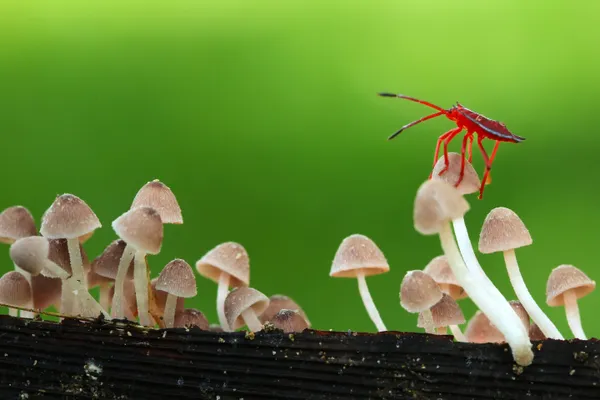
x: 262, y: 118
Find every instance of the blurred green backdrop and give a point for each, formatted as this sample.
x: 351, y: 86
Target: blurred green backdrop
x: 263, y: 119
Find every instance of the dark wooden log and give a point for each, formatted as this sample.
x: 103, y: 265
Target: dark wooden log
x: 108, y: 360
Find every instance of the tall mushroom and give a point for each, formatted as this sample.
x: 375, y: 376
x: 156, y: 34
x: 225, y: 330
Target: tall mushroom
x: 177, y: 280
x: 359, y: 257
x: 15, y: 291
x: 443, y: 314
x: 565, y: 286
x: 243, y: 305
x: 280, y: 302
x: 503, y: 231
x: 227, y: 264
x: 418, y: 294
x: 437, y: 204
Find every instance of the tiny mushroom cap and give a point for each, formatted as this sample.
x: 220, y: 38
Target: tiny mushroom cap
x: 521, y: 312
x: 437, y: 202
x: 481, y: 330
x: 503, y: 230
x: 16, y: 223
x: 444, y: 313
x: 68, y: 217
x: 159, y: 196
x: 279, y: 302
x: 30, y: 253
x: 141, y: 228
x: 229, y: 257
x: 419, y: 292
x: 241, y: 299
x: 107, y: 263
x: 15, y: 289
x: 289, y: 321
x: 190, y: 317
x: 177, y: 278
x: 470, y: 182
x: 357, y: 253
x: 45, y: 291
x: 567, y: 278
x: 535, y: 333
x: 441, y: 272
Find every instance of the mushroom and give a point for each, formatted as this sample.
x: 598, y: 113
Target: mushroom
x: 521, y: 313
x: 227, y: 264
x: 243, y: 305
x: 46, y: 292
x: 443, y: 314
x: 359, y: 257
x: 190, y: 317
x: 437, y: 204
x: 129, y: 302
x: 289, y: 321
x: 470, y: 182
x: 418, y: 294
x: 160, y: 298
x: 481, y: 330
x: 177, y: 279
x: 15, y: 291
x: 565, y: 286
x: 503, y: 231
x: 439, y: 269
x: 106, y: 265
x: 159, y: 196
x: 278, y: 302
x: 142, y: 229
x: 535, y: 333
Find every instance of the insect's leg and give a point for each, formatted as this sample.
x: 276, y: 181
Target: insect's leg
x: 470, y: 148
x: 447, y: 141
x: 468, y: 136
x: 488, y: 163
x: 437, y: 149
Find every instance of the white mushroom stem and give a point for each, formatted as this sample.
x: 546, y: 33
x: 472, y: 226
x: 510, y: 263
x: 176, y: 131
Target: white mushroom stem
x: 13, y: 312
x: 27, y: 275
x: 66, y: 300
x: 458, y: 335
x: 169, y: 314
x: 222, y: 291
x: 532, y: 308
x: 499, y: 312
x: 368, y: 301
x: 573, y: 318
x: 76, y: 261
x: 140, y: 282
x: 117, y: 301
x: 105, y: 296
x: 442, y: 331
x: 251, y: 320
x: 427, y: 321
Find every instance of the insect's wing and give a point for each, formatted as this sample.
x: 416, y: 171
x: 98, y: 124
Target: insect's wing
x: 493, y: 127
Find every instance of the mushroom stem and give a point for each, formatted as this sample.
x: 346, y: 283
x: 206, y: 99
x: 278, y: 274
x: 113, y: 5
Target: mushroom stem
x: 573, y: 318
x: 499, y: 312
x: 428, y: 321
x: 368, y: 301
x: 442, y: 330
x: 13, y: 312
x: 535, y: 312
x: 27, y: 275
x: 251, y: 320
x: 140, y: 281
x: 76, y: 261
x: 169, y: 314
x: 458, y: 335
x: 117, y: 301
x: 222, y: 291
x: 105, y: 296
x: 66, y: 300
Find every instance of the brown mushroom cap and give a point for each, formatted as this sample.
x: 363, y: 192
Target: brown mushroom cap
x: 141, y: 228
x: 241, y: 299
x: 535, y: 333
x: 441, y: 272
x: 444, y: 313
x: 177, y: 278
x: 160, y: 298
x: 229, y: 257
x: 358, y: 253
x: 437, y: 203
x: 289, y: 321
x: 16, y: 223
x: 15, y: 289
x: 521, y: 312
x: 564, y: 278
x: 503, y: 230
x: 68, y: 217
x: 280, y: 302
x: 419, y: 292
x: 470, y: 182
x: 95, y: 280
x: 46, y: 291
x: 30, y: 253
x: 107, y: 263
x: 58, y: 253
x: 481, y: 330
x: 190, y: 317
x: 159, y: 196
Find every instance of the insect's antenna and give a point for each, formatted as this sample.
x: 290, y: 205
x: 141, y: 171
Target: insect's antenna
x: 401, y: 96
x: 437, y: 114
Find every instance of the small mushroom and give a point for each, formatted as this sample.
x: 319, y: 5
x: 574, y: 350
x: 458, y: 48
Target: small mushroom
x: 289, y: 321
x: 470, y: 182
x: 160, y: 298
x: 439, y: 269
x: 521, y: 312
x: 535, y: 333
x: 190, y: 317
x: 418, y: 294
x: 15, y: 291
x: 46, y: 292
x: 359, y: 257
x: 227, y: 264
x: 159, y: 196
x: 177, y: 279
x: 279, y: 302
x: 243, y: 305
x: 445, y: 313
x: 481, y: 330
x: 16, y: 223
x: 565, y: 286
x: 503, y: 231
x: 106, y: 265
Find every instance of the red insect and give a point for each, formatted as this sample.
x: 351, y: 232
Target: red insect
x: 473, y: 123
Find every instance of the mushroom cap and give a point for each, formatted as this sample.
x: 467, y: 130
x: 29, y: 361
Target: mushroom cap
x: 521, y: 312
x: 159, y: 196
x: 481, y: 330
x: 229, y: 257
x: 470, y: 182
x: 68, y: 217
x: 190, y: 317
x: 437, y: 203
x: 419, y: 292
x: 278, y: 302
x: 30, y: 254
x: 177, y: 278
x: 445, y: 312
x: 441, y: 272
x: 535, y: 333
x: 59, y: 254
x: 107, y: 263
x: 160, y: 298
x: 357, y: 253
x: 141, y: 228
x: 241, y: 299
x: 503, y: 230
x: 564, y: 278
x: 15, y: 289
x: 95, y: 280
x: 46, y: 292
x: 289, y: 321
x: 15, y: 223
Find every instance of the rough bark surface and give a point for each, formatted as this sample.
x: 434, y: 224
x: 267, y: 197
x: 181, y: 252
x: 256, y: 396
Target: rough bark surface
x: 99, y: 360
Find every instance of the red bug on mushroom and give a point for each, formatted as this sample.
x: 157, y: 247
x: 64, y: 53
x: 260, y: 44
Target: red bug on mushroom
x: 473, y: 123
